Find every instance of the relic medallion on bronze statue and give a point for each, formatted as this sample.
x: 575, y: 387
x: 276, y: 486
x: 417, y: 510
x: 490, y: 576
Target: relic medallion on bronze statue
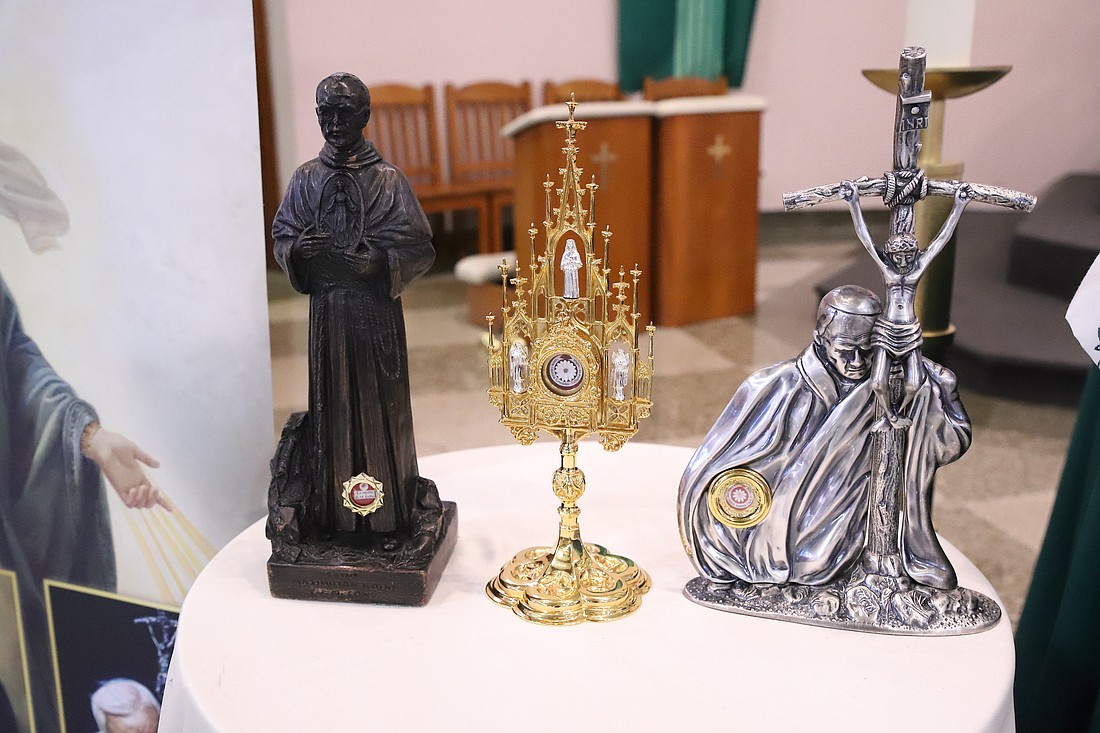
x: 739, y: 498
x: 363, y: 494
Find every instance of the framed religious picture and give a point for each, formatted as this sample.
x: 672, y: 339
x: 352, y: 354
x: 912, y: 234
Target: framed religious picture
x: 15, y: 686
x: 135, y: 397
x: 115, y: 675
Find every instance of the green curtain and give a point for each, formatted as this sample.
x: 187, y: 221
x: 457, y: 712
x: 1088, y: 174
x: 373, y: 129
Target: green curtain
x: 661, y: 38
x: 1058, y: 637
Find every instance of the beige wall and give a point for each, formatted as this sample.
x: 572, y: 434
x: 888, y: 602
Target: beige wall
x: 425, y: 41
x: 823, y: 121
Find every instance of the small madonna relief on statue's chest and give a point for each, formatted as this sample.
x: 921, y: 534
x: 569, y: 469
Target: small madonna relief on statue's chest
x: 341, y: 210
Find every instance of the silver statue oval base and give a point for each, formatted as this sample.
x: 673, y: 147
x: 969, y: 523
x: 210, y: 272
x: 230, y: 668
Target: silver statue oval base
x: 881, y: 604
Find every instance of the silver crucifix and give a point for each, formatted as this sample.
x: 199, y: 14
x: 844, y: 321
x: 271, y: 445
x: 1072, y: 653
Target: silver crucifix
x: 829, y: 522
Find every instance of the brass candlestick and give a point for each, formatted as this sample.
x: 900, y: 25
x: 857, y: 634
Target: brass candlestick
x: 568, y: 362
x: 934, y: 291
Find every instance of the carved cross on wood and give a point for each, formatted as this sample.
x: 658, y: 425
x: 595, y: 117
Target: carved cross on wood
x: 604, y: 158
x: 719, y: 150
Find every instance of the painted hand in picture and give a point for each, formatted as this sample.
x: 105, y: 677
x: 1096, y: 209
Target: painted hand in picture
x: 120, y: 460
x: 26, y: 199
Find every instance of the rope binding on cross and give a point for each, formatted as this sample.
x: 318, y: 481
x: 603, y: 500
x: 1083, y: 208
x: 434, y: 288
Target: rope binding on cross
x: 904, y: 187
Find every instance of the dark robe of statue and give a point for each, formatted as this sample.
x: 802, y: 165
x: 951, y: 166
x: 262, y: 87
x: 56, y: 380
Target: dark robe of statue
x: 352, y: 235
x: 54, y: 521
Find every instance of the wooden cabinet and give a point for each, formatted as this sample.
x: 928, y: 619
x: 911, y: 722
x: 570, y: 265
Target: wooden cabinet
x: 707, y: 220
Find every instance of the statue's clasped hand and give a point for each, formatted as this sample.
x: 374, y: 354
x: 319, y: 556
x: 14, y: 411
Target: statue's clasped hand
x: 946, y: 378
x: 313, y: 244
x: 365, y: 263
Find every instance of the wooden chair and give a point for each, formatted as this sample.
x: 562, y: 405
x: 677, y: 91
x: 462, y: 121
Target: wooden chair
x: 479, y: 157
x: 682, y: 86
x: 404, y: 129
x: 586, y: 90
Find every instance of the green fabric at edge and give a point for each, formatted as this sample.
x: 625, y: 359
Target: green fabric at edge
x: 647, y: 36
x: 647, y: 30
x: 1058, y: 637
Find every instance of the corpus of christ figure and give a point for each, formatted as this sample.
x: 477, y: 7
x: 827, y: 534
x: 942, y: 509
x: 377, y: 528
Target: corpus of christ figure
x: 897, y: 332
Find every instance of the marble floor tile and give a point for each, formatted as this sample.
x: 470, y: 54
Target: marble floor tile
x: 676, y: 352
x: 743, y: 342
x: 1023, y: 518
x: 436, y: 289
x: 288, y: 337
x: 824, y: 250
x: 455, y: 421
x: 290, y: 382
x: 291, y: 308
x: 1005, y: 561
x: 774, y: 274
x: 998, y: 466
x: 442, y: 325
x: 1028, y: 419
x: 686, y: 441
x: 688, y: 406
x: 455, y: 368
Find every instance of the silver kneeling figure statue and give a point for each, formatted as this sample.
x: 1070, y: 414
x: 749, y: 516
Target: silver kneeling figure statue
x: 774, y: 506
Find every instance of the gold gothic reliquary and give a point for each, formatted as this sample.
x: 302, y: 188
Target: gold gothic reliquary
x: 568, y: 361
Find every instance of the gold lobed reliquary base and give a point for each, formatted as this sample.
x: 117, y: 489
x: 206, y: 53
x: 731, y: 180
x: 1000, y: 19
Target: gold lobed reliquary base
x: 570, y: 584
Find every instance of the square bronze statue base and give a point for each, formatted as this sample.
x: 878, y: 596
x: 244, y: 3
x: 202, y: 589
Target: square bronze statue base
x: 377, y: 580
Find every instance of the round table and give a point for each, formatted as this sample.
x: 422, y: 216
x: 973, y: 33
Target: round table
x: 245, y: 661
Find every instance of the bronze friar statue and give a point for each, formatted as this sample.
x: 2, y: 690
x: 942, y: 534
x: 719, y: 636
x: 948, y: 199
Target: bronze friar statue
x: 350, y: 518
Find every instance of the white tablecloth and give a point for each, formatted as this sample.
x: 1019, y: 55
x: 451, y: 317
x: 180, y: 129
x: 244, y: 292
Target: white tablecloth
x: 245, y: 661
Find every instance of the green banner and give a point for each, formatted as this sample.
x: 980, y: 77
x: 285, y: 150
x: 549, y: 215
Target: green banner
x: 1057, y: 665
x: 703, y: 38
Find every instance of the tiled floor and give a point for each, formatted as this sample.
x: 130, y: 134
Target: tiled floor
x: 993, y: 504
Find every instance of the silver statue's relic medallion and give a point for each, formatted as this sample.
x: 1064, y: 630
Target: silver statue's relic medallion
x: 739, y: 497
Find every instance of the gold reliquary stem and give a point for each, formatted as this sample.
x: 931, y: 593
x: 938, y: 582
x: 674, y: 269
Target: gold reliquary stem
x: 572, y: 582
